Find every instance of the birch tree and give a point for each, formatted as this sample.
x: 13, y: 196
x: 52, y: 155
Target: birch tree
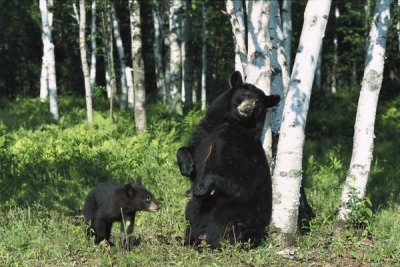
x: 335, y: 49
x: 175, y: 37
x: 85, y: 67
x: 255, y: 56
x: 121, y: 56
x: 287, y: 30
x: 94, y: 47
x: 48, y: 83
x: 363, y: 145
x: 137, y: 66
x: 287, y: 175
x: 107, y: 35
x: 158, y: 40
x: 280, y: 73
x: 204, y: 56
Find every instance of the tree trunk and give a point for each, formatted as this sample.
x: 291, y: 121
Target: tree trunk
x: 121, y: 56
x: 94, y: 47
x: 175, y: 56
x: 138, y: 66
x: 186, y: 50
x: 258, y: 59
x: 286, y: 180
x: 235, y: 10
x: 287, y: 30
x: 159, y: 69
x: 49, y: 59
x: 363, y: 143
x: 204, y: 56
x: 280, y: 74
x: 85, y: 67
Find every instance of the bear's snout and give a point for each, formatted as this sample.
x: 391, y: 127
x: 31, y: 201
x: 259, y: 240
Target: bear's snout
x: 246, y: 108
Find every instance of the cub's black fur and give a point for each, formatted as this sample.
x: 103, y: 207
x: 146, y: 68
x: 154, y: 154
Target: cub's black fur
x: 110, y: 202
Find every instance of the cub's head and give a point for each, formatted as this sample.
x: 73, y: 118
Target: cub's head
x: 248, y: 102
x: 139, y: 198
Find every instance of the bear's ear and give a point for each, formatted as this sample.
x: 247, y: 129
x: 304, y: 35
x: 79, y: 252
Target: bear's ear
x: 129, y: 190
x: 138, y: 181
x: 272, y: 100
x: 236, y: 79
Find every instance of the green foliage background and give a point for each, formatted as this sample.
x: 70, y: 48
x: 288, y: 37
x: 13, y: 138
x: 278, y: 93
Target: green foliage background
x: 47, y: 169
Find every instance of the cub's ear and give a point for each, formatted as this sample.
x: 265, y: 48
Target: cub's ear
x: 272, y: 100
x: 129, y: 190
x: 138, y: 181
x: 236, y: 79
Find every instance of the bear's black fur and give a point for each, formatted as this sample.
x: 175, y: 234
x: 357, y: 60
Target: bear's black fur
x: 110, y: 202
x: 231, y: 193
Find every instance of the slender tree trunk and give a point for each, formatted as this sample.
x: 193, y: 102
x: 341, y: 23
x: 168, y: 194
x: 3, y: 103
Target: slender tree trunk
x: 175, y: 56
x: 335, y: 49
x: 363, y: 143
x: 204, y: 56
x: 93, y: 37
x: 286, y: 180
x: 138, y: 66
x: 85, y: 67
x: 186, y: 48
x: 159, y: 69
x: 287, y: 30
x: 258, y: 58
x: 235, y: 9
x: 49, y: 59
x: 129, y: 84
x: 280, y: 74
x: 121, y: 56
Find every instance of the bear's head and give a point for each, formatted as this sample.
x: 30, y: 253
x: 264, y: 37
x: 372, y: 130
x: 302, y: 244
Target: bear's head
x: 139, y: 198
x: 249, y: 103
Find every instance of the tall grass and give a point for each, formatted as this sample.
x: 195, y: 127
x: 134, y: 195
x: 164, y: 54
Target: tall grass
x: 47, y: 169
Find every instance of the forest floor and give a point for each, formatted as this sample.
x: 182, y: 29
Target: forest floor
x: 47, y: 169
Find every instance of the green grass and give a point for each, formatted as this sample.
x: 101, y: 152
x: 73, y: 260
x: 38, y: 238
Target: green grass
x: 47, y: 169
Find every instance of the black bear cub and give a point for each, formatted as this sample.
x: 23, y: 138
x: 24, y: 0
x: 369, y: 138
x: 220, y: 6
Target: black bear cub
x: 110, y: 202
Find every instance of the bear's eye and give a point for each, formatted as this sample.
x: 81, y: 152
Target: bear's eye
x: 148, y: 200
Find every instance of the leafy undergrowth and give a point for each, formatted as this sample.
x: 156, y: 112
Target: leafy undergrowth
x: 47, y: 169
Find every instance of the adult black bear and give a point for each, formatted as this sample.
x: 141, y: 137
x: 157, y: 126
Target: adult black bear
x: 231, y: 184
x: 110, y: 202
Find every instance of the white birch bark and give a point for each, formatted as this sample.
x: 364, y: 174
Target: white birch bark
x: 175, y: 56
x: 258, y: 59
x: 159, y: 69
x: 204, y: 56
x: 183, y: 51
x: 121, y: 56
x: 286, y: 180
x: 129, y: 84
x: 280, y: 74
x: 138, y: 66
x: 44, y: 86
x: 398, y: 30
x: 48, y: 55
x: 287, y: 30
x: 85, y: 67
x: 94, y: 47
x: 235, y: 10
x: 363, y: 142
